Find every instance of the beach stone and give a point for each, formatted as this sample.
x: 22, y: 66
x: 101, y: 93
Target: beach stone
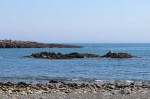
x: 124, y: 91
x: 9, y: 83
x: 22, y: 84
x: 38, y: 92
x: 53, y: 81
x: 29, y: 92
x: 9, y: 88
x: 23, y: 93
x: 111, y: 87
x: 113, y: 92
x: 9, y: 91
x: 16, y: 90
x: 36, y: 88
x: 45, y: 89
x: 98, y: 86
x: 107, y: 93
x: 68, y: 91
x: 4, y: 89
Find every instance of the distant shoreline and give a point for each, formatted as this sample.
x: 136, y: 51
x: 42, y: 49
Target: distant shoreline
x: 31, y: 44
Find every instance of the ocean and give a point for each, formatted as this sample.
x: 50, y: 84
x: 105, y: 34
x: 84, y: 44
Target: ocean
x: 13, y: 67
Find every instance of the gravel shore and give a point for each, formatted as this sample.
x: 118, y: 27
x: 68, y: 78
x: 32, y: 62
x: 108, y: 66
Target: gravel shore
x: 72, y: 90
x: 145, y: 94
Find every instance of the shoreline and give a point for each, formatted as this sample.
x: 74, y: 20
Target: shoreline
x: 72, y: 80
x: 58, y: 88
x: 33, y: 44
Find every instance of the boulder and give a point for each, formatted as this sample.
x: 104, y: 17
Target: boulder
x: 111, y: 54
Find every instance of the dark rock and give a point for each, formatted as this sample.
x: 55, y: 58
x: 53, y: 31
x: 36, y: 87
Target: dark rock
x: 53, y: 81
x: 132, y: 84
x: 52, y: 55
x: 111, y: 54
x: 22, y: 84
x: 72, y: 84
x: 16, y: 90
x: 75, y: 55
x: 29, y: 44
x: 8, y: 84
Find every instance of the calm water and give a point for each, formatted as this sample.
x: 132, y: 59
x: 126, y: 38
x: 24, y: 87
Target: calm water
x: 12, y: 67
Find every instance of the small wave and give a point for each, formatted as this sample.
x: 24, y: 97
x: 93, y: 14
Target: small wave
x: 34, y: 78
x: 45, y: 79
x: 75, y: 79
x: 1, y: 57
x: 145, y: 57
x: 124, y: 82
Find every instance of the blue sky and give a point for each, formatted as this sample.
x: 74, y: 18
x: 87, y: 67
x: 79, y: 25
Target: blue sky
x: 76, y: 21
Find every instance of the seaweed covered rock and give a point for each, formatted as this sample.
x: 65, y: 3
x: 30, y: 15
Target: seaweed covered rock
x: 111, y: 54
x: 52, y: 55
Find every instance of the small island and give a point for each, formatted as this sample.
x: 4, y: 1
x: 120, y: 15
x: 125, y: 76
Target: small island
x: 31, y: 44
x: 52, y: 55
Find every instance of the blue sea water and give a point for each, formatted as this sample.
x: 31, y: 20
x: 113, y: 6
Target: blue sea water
x: 15, y: 68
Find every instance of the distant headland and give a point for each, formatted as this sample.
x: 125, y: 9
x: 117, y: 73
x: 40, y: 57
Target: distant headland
x: 31, y: 44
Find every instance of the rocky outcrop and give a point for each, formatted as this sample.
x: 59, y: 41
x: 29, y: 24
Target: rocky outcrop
x: 29, y: 44
x: 52, y: 55
x: 111, y: 54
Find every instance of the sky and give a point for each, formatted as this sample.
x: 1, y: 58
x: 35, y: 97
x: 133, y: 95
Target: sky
x: 76, y: 21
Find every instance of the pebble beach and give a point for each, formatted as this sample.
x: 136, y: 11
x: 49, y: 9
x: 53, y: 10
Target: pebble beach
x: 72, y: 90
